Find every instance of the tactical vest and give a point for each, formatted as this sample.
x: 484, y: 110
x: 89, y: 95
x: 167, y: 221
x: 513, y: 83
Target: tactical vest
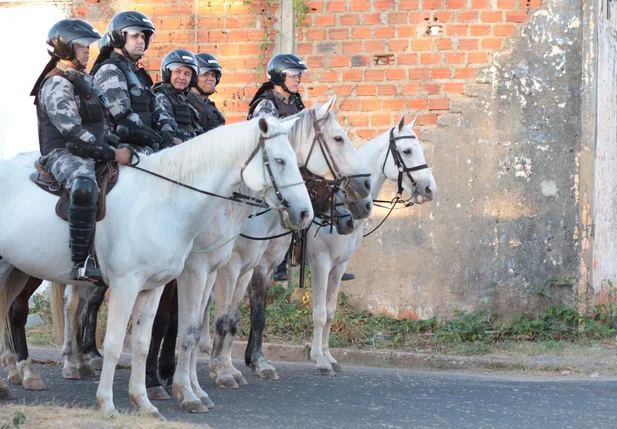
x: 284, y: 109
x: 90, y: 110
x: 184, y: 114
x: 210, y: 116
x: 143, y: 99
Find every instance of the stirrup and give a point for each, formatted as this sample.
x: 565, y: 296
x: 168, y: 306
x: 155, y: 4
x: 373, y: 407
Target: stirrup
x: 80, y: 273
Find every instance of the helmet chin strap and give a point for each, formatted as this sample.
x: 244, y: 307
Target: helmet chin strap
x: 129, y: 56
x: 204, y: 93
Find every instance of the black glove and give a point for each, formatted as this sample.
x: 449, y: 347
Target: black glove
x: 167, y: 140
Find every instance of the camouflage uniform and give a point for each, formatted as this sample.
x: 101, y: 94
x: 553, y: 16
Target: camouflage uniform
x: 271, y: 103
x: 59, y: 103
x: 166, y: 105
x: 112, y: 82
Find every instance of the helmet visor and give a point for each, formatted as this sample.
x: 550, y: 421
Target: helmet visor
x: 295, y: 72
x: 135, y: 29
x: 204, y: 70
x: 85, y: 41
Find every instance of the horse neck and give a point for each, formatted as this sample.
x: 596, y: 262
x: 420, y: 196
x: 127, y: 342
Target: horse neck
x: 302, y: 135
x: 373, y: 154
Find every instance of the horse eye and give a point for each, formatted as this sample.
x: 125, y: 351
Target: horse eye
x: 407, y: 151
x: 280, y: 161
x: 339, y: 139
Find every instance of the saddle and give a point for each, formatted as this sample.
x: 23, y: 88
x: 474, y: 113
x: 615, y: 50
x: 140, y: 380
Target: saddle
x: 106, y: 177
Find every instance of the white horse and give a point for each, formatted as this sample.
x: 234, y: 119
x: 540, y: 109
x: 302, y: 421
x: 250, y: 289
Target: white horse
x: 212, y: 248
x: 150, y: 227
x: 328, y: 253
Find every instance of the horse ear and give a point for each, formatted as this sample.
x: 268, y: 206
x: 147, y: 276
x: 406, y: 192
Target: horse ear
x: 413, y: 123
x: 401, y: 124
x: 347, y: 130
x: 287, y: 125
x: 264, y: 127
x: 323, y: 110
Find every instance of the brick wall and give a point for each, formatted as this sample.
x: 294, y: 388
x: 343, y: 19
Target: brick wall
x: 379, y: 56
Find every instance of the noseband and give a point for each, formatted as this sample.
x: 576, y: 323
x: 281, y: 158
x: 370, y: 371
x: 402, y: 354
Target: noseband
x: 400, y: 164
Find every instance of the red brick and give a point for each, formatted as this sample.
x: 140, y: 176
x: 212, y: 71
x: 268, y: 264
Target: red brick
x: 396, y: 104
x: 339, y: 61
x: 329, y: 76
x: 343, y: 90
x: 358, y: 120
x: 427, y: 120
x: 417, y: 18
x: 303, y: 48
x: 422, y: 44
x: 398, y: 45
x: 516, y: 16
x: 81, y: 11
x: 441, y: 73
x: 456, y: 4
x: 372, y: 75
x: 408, y: 5
x: 359, y: 5
x: 238, y: 36
x: 349, y: 19
x: 455, y: 58
x: 324, y: 20
x: 430, y: 59
x: 419, y: 73
x: 316, y: 34
x: 378, y: 46
x: 349, y: 105
x: 432, y: 88
x: 479, y: 30
x: 404, y: 31
x: 365, y: 133
x: 315, y: 61
x: 467, y: 16
x: 335, y: 6
x: 387, y: 90
x: 477, y: 57
x: 419, y: 104
x: 454, y: 88
x: 314, y: 6
x: 464, y: 73
x: 456, y: 30
x: 385, y: 32
x: 404, y: 59
x: 531, y: 3
x: 381, y: 119
x: 506, y: 4
x: 491, y: 17
x: 361, y: 33
x: 432, y: 4
x: 384, y: 4
x: 371, y: 105
x: 443, y: 16
x: 492, y: 43
x: 371, y: 18
x: 397, y: 18
x: 352, y: 75
x: 444, y: 44
x: 438, y: 104
x: 481, y: 4
x: 366, y: 90
x: 410, y: 88
x: 338, y: 34
x: 504, y: 30
x: 468, y: 44
x: 248, y: 49
x: 352, y: 47
x: 396, y: 74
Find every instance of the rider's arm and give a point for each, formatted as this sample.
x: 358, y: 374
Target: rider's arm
x: 265, y: 108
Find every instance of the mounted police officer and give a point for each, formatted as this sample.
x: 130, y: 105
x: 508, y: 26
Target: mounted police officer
x: 179, y: 71
x: 73, y: 133
x: 137, y: 116
x: 210, y: 73
x: 279, y: 96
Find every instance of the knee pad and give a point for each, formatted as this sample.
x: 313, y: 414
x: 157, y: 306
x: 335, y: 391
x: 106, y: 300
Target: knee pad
x: 84, y: 192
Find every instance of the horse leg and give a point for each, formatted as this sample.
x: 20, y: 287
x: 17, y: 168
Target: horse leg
x: 144, y: 312
x: 319, y: 282
x: 155, y: 390
x: 205, y: 303
x: 89, y: 347
x: 334, y: 283
x: 19, y: 316
x: 70, y: 370
x: 223, y: 290
x: 191, y: 284
x: 205, y: 342
x: 253, y: 356
x: 123, y: 293
x: 167, y: 358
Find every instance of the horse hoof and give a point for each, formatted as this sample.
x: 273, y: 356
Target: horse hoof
x: 207, y: 402
x: 239, y: 378
x: 86, y: 371
x: 227, y: 383
x: 14, y: 378
x: 157, y: 393
x: 170, y: 389
x: 158, y: 416
x: 70, y: 373
x: 5, y: 393
x: 268, y: 374
x: 194, y: 407
x: 326, y: 371
x: 96, y: 363
x: 34, y: 383
x: 337, y: 367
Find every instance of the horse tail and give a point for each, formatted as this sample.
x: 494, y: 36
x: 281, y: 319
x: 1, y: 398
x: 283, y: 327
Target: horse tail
x: 56, y: 304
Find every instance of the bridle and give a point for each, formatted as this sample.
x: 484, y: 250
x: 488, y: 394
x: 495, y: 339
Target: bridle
x: 400, y: 164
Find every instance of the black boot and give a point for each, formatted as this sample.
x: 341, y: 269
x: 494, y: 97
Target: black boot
x: 281, y: 272
x: 82, y: 220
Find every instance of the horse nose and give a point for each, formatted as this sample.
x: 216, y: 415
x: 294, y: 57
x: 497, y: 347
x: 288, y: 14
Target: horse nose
x: 304, y: 214
x: 367, y: 185
x: 368, y: 206
x: 428, y: 191
x: 350, y: 223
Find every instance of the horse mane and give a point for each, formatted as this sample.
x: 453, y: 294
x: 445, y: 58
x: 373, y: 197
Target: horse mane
x: 304, y: 124
x: 219, y: 148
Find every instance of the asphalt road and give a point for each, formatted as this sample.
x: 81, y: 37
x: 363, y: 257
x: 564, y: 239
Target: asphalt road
x: 372, y: 398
